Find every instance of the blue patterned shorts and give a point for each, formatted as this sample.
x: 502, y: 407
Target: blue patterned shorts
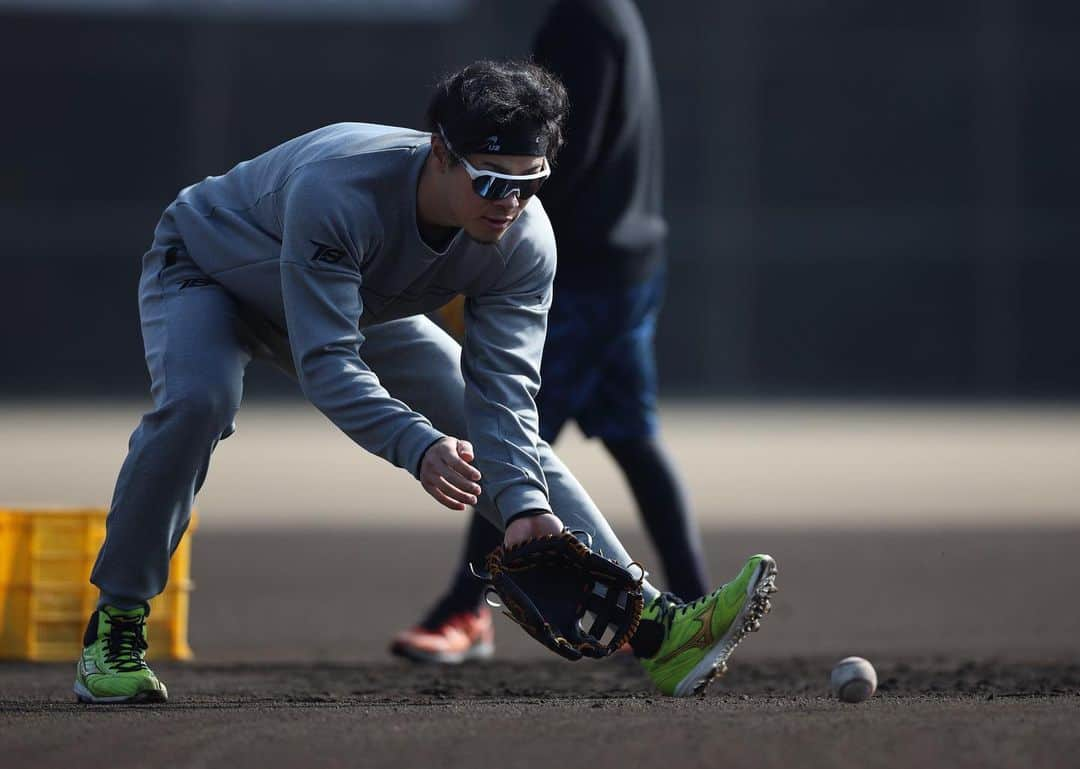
x: 599, y: 366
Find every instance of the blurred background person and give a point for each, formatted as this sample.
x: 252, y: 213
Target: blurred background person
x: 605, y: 200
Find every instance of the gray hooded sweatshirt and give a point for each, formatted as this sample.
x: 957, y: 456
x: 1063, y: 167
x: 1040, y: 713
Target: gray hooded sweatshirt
x: 319, y: 237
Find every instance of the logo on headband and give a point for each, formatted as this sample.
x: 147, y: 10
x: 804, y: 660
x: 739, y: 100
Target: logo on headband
x: 492, y: 144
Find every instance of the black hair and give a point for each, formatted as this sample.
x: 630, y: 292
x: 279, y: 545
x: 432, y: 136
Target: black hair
x: 489, y: 97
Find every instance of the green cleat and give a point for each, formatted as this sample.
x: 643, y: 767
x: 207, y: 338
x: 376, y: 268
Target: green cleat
x: 112, y: 667
x: 701, y: 635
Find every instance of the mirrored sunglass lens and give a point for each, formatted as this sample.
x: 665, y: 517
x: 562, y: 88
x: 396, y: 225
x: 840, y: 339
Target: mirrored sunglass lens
x: 490, y: 188
x: 482, y: 185
x: 524, y: 189
x: 528, y: 189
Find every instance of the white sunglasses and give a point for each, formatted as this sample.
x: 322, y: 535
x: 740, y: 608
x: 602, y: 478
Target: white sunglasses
x: 491, y: 185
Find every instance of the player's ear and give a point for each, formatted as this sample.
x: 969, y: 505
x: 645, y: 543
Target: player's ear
x: 438, y: 148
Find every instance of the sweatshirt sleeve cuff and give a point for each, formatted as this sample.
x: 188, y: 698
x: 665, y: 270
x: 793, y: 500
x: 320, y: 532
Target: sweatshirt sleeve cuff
x: 415, y: 443
x: 519, y: 498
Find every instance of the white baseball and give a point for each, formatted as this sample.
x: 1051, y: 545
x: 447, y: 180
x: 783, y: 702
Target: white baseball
x: 853, y: 679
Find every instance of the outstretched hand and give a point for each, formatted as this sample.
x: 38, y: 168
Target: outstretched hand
x: 530, y: 527
x: 446, y: 473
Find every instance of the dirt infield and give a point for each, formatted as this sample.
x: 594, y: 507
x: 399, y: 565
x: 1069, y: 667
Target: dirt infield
x: 975, y: 637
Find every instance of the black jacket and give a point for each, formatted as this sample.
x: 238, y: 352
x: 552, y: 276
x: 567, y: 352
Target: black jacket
x: 605, y: 196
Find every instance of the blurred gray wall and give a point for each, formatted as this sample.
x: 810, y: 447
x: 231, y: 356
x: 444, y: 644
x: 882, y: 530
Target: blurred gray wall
x: 866, y: 199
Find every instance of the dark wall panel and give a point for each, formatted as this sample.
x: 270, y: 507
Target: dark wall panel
x: 864, y: 199
x: 880, y: 327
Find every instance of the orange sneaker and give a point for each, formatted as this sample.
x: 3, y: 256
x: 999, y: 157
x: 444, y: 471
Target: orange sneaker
x: 460, y: 637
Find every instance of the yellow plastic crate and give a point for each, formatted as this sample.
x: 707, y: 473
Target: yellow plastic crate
x: 45, y: 594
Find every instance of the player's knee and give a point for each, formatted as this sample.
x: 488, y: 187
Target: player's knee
x: 208, y: 410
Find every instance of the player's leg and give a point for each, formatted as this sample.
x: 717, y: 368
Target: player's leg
x: 570, y: 371
x: 196, y: 362
x: 579, y: 513
x: 420, y: 364
x: 458, y: 627
x: 681, y: 645
x: 662, y: 505
x: 621, y: 412
x: 437, y: 637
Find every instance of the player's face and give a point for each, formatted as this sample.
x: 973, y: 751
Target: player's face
x: 488, y: 220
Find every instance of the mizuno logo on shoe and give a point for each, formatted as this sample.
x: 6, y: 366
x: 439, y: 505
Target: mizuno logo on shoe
x: 703, y: 638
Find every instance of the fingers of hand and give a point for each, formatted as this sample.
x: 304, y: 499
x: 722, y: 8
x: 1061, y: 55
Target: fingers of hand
x: 445, y: 462
x: 458, y: 479
x: 447, y: 475
x: 453, y: 491
x: 443, y: 499
x: 463, y: 469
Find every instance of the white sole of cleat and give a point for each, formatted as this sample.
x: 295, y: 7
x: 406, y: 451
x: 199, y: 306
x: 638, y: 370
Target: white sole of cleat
x: 142, y: 698
x: 757, y: 605
x: 483, y: 651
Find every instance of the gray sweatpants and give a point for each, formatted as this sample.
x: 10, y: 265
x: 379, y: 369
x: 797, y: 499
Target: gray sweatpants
x: 198, y: 343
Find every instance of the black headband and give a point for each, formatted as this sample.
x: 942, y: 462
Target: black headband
x: 514, y: 139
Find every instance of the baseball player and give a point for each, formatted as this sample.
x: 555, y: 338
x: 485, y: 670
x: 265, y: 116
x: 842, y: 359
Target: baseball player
x: 322, y: 255
x: 599, y: 367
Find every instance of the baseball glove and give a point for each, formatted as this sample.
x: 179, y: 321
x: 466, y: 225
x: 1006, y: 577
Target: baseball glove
x: 569, y: 598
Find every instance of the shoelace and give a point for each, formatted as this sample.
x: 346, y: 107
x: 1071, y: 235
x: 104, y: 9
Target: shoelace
x: 671, y: 606
x: 127, y: 642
